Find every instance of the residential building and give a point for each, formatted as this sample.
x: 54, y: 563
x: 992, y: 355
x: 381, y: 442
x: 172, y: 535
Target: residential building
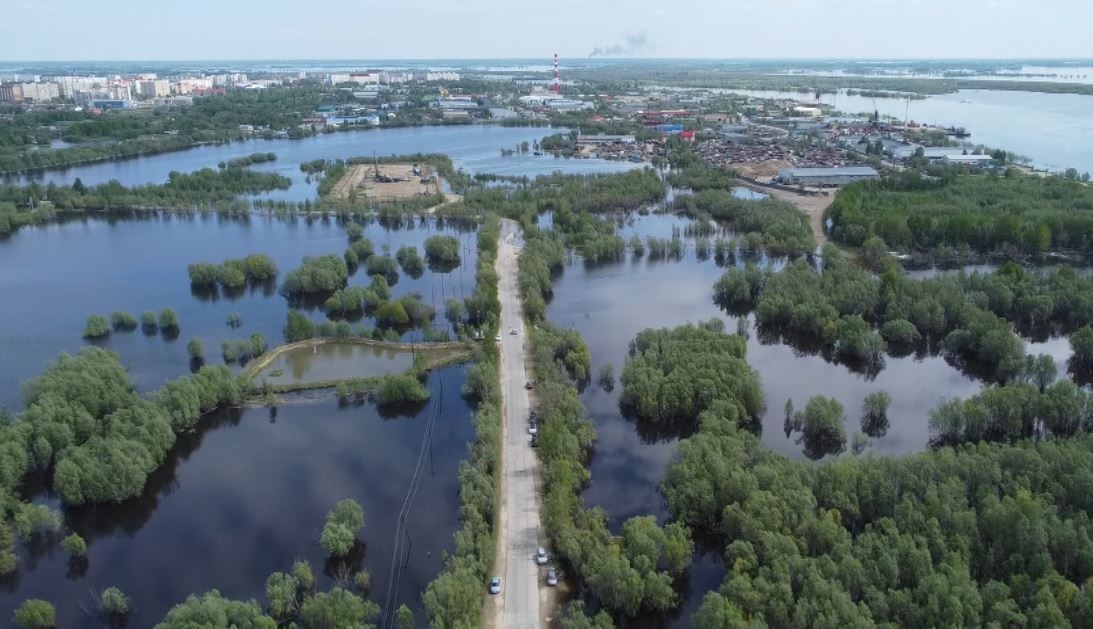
x: 441, y: 76
x: 11, y: 93
x: 153, y: 88
x: 41, y: 92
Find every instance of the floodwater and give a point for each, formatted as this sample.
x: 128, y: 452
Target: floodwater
x: 246, y: 495
x: 56, y: 275
x: 337, y: 361
x: 1055, y: 131
x: 630, y: 459
x: 474, y: 148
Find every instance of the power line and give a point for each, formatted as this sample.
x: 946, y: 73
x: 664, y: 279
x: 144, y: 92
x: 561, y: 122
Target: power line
x: 436, y: 387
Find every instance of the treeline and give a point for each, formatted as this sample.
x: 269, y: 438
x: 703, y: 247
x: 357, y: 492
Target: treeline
x: 602, y: 193
x: 858, y: 316
x: 673, y: 375
x: 126, y: 134
x: 85, y: 423
x: 986, y: 535
x: 233, y: 273
x: 693, y: 173
x: 199, y: 189
x: 1033, y: 407
x: 253, y: 158
x: 454, y: 597
x: 1010, y: 214
x: 926, y: 540
x: 764, y: 224
x: 627, y: 573
x: 317, y: 274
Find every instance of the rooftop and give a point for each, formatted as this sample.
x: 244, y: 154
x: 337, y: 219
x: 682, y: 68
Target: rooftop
x: 846, y: 171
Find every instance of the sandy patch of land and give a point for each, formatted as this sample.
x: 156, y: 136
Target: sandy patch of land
x: 392, y: 182
x: 763, y: 170
x: 814, y: 205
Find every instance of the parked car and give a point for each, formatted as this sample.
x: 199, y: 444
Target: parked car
x: 495, y: 585
x: 535, y: 440
x: 552, y: 576
x: 530, y: 385
x: 533, y: 427
x: 497, y: 338
x: 541, y: 556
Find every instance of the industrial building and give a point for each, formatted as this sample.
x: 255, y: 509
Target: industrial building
x: 606, y: 139
x: 823, y: 177
x: 968, y: 160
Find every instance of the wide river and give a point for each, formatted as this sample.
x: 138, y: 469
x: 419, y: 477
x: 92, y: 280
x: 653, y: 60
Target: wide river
x: 474, y: 148
x: 1055, y: 131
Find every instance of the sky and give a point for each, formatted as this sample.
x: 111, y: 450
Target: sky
x: 58, y: 30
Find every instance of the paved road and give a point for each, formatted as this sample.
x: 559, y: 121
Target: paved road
x: 520, y: 483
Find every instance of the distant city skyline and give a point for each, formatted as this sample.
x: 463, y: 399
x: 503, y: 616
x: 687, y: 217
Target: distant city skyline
x: 124, y: 30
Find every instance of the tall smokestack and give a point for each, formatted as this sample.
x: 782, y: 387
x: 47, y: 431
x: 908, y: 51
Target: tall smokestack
x: 556, y: 88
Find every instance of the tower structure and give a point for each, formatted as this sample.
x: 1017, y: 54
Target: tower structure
x: 557, y: 89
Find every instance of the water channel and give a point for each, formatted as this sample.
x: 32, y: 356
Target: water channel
x: 474, y: 148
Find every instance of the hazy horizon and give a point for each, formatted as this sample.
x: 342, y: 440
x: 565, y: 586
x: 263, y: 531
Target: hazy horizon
x: 247, y: 30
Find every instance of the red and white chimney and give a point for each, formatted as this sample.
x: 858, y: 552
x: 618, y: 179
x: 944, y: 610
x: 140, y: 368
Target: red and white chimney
x: 557, y: 89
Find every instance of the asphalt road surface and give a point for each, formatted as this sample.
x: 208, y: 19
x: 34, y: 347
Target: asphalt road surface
x: 522, y: 534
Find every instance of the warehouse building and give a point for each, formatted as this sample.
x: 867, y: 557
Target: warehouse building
x: 821, y: 177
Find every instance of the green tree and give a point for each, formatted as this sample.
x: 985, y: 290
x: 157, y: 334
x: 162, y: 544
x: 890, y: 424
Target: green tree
x: 35, y: 613
x: 392, y: 314
x: 410, y: 261
x: 122, y: 322
x: 113, y: 602
x: 404, y: 618
x: 338, y: 608
x: 341, y: 528
x: 305, y: 579
x: 213, y: 610
x: 168, y: 320
x: 195, y: 348
x: 442, y: 253
x: 873, y: 252
x: 298, y: 327
x: 400, y: 389
x: 874, y: 414
x: 606, y: 377
x: 281, y: 594
x: 96, y: 327
x: 354, y: 231
x: 74, y: 545
x: 821, y: 427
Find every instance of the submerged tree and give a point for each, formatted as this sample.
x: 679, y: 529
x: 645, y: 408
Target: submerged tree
x: 874, y: 414
x: 96, y: 327
x: 341, y: 528
x: 821, y: 427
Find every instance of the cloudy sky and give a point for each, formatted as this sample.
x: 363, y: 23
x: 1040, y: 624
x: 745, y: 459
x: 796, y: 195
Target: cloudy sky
x: 422, y: 29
